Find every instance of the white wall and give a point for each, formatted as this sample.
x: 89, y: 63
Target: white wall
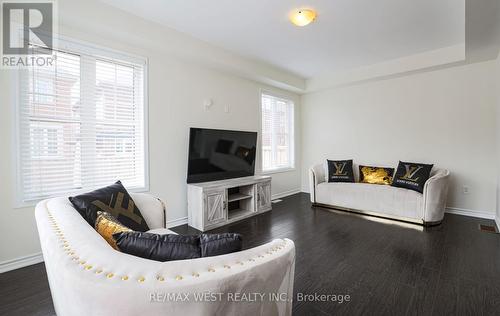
x: 177, y: 88
x: 497, y: 88
x: 445, y: 117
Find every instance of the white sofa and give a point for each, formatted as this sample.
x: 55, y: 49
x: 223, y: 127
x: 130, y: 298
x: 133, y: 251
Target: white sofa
x: 88, y: 277
x: 382, y: 200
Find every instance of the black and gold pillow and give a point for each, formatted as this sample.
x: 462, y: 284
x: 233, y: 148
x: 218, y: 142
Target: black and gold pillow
x: 375, y: 175
x: 340, y: 171
x: 113, y: 199
x: 107, y: 225
x: 412, y: 176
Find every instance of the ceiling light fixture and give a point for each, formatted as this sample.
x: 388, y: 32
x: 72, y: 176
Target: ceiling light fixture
x: 302, y: 17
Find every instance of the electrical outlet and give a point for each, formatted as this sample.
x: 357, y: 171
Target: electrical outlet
x: 465, y: 189
x: 227, y: 108
x: 207, y: 104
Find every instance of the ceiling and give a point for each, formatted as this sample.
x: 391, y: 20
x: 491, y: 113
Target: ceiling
x: 347, y: 34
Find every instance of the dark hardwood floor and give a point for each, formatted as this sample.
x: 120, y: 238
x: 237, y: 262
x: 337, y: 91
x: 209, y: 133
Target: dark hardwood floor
x: 385, y: 267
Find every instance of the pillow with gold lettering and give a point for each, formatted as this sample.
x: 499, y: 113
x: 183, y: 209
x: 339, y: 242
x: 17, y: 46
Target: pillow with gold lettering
x: 113, y: 199
x: 339, y: 171
x: 375, y: 175
x: 412, y: 176
x: 107, y: 225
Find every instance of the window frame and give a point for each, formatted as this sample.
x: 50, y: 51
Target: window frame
x: 292, y: 166
x: 80, y: 47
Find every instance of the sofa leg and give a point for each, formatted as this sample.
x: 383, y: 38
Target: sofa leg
x: 430, y: 224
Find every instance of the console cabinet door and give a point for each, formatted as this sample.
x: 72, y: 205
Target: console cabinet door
x: 263, y: 196
x: 215, y: 204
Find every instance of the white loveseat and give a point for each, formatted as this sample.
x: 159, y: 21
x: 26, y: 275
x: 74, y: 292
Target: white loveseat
x: 88, y: 277
x: 383, y: 200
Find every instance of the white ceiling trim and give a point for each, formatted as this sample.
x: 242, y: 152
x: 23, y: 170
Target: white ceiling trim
x: 434, y: 58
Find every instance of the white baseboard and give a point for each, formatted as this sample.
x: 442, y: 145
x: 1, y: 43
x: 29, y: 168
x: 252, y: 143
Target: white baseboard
x: 284, y: 194
x: 177, y: 222
x: 21, y: 262
x: 472, y: 213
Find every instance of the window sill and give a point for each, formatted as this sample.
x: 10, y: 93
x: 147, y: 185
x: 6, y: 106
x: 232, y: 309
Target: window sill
x: 33, y: 203
x: 281, y: 170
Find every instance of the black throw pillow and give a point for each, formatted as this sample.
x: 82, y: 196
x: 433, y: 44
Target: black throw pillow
x: 340, y: 171
x: 176, y: 247
x: 412, y: 176
x: 219, y: 244
x: 158, y: 247
x: 113, y: 199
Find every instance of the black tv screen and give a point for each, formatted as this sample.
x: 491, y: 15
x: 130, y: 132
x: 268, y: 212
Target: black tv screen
x: 216, y: 154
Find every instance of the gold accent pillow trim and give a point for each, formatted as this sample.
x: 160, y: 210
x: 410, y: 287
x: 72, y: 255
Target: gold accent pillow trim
x: 107, y: 225
x: 375, y: 175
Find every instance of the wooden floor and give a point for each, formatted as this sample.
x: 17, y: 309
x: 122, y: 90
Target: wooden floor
x: 386, y: 268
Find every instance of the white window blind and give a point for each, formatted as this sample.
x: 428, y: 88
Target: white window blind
x: 277, y: 133
x: 81, y: 125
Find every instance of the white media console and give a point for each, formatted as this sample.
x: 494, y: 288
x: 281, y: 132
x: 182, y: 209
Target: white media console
x: 217, y: 203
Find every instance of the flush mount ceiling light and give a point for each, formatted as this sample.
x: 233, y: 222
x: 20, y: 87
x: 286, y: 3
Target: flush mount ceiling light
x: 302, y: 17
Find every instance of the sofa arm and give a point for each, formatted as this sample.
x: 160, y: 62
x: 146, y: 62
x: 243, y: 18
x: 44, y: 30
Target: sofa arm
x: 316, y: 176
x: 152, y: 209
x: 435, y: 195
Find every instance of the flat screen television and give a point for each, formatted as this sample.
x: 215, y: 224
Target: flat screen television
x: 216, y: 154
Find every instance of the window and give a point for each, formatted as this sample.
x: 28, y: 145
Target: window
x: 81, y: 124
x: 277, y: 133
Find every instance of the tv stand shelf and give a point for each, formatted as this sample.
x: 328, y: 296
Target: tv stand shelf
x: 237, y: 213
x: 238, y: 197
x: 217, y: 203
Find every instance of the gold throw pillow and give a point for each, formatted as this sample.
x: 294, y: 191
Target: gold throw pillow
x: 107, y: 225
x: 375, y: 175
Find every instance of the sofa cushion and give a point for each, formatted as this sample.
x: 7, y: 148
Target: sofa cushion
x: 161, y: 231
x: 113, y: 199
x: 375, y: 175
x: 412, y: 176
x: 339, y: 171
x: 397, y: 202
